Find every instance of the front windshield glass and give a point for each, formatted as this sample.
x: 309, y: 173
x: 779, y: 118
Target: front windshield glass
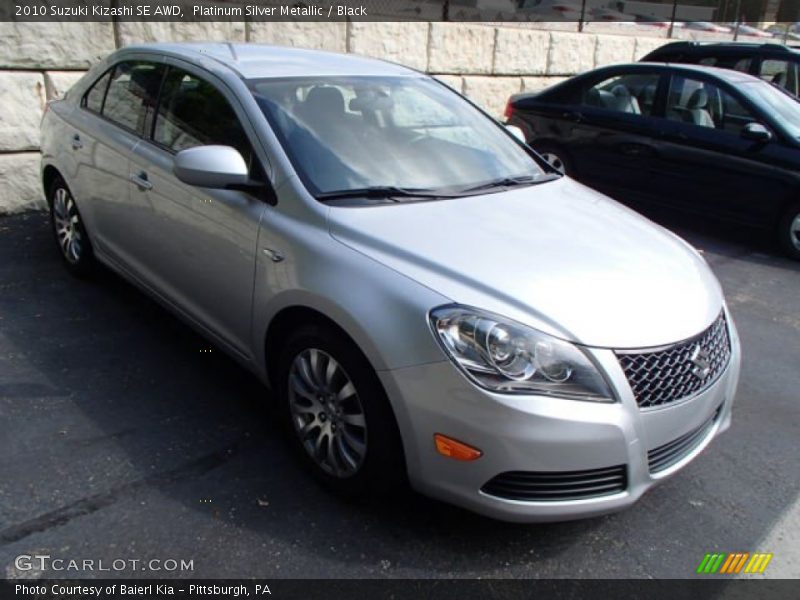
x: 784, y: 107
x: 350, y: 133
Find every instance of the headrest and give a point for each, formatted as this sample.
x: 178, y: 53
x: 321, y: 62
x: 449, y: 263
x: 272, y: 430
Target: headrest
x: 620, y: 91
x: 698, y: 99
x: 325, y: 99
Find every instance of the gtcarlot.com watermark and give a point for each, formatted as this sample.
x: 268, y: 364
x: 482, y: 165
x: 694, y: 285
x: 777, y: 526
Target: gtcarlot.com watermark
x: 47, y: 563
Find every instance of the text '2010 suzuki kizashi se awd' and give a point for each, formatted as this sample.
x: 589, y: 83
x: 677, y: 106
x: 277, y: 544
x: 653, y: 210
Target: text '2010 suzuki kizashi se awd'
x: 428, y: 299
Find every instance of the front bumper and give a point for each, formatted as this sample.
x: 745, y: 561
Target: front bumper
x: 543, y: 435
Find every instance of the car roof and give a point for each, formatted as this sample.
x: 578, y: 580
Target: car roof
x: 253, y: 61
x: 728, y: 75
x: 745, y: 47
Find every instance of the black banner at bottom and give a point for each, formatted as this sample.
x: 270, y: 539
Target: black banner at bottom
x: 415, y: 589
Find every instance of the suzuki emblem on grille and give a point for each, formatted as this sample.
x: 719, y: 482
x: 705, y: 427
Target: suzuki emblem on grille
x: 702, y: 366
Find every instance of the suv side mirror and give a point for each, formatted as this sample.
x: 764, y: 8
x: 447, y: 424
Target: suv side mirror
x: 756, y: 132
x: 211, y: 166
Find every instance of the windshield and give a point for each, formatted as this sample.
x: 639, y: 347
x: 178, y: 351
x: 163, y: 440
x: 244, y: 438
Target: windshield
x: 780, y: 104
x: 409, y: 133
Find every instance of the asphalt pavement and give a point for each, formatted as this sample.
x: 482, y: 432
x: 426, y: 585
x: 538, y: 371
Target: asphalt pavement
x: 126, y: 436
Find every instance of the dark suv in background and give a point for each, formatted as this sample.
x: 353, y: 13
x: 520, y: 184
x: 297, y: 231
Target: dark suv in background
x: 775, y: 63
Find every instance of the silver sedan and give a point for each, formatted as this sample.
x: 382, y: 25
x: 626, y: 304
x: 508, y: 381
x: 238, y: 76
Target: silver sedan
x: 429, y: 300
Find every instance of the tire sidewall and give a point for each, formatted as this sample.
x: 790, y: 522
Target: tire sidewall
x: 784, y: 232
x: 547, y: 148
x: 383, y: 469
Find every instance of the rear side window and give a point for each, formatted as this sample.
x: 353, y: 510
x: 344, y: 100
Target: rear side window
x: 93, y: 100
x: 192, y: 112
x: 132, y: 94
x: 634, y: 93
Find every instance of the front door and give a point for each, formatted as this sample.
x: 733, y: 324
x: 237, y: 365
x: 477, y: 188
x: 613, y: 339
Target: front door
x: 201, y: 244
x: 709, y: 167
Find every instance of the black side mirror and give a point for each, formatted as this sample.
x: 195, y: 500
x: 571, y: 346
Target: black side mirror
x: 756, y: 132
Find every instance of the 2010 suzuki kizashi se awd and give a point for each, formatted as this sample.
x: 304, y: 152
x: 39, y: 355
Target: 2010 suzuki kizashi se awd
x: 428, y: 299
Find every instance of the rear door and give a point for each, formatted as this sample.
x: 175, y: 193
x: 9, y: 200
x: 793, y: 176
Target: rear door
x: 105, y: 130
x: 615, y: 133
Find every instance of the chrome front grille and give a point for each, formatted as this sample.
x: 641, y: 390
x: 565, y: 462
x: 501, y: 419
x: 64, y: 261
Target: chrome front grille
x: 663, y: 376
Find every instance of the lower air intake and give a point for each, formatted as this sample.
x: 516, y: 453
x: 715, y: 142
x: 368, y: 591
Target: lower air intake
x: 557, y: 486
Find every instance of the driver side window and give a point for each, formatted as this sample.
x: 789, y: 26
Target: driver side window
x: 703, y: 104
x: 192, y: 112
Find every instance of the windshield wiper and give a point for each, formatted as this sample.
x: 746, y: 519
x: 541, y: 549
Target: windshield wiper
x: 388, y: 192
x: 506, y: 182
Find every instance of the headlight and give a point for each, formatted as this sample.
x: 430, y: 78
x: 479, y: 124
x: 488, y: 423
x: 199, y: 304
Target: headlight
x: 504, y: 356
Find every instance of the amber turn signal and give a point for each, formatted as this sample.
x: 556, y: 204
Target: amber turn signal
x: 454, y: 449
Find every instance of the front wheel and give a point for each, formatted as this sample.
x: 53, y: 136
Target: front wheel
x: 789, y: 232
x: 337, y: 414
x: 69, y: 231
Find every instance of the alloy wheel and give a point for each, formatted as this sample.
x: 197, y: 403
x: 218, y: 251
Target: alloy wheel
x: 794, y: 231
x: 554, y: 161
x: 327, y: 413
x: 67, y: 225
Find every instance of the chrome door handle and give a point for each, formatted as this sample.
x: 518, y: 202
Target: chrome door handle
x: 77, y: 144
x: 274, y: 255
x: 141, y: 181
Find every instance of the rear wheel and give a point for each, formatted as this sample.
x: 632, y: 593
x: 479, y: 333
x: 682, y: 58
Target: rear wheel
x: 68, y: 230
x: 556, y: 157
x: 337, y: 415
x: 789, y: 232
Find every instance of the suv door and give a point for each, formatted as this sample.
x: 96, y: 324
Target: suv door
x: 112, y: 116
x: 707, y: 164
x: 199, y: 246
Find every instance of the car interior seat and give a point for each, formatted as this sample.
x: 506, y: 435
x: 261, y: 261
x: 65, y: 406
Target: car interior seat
x: 323, y: 107
x: 647, y: 98
x: 697, y: 109
x: 624, y: 101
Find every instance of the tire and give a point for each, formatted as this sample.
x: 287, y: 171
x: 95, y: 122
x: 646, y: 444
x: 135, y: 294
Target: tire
x: 351, y: 445
x: 69, y: 232
x: 789, y: 232
x: 556, y: 157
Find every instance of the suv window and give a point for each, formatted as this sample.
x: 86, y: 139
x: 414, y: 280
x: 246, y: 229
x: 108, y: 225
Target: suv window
x: 192, y: 112
x: 780, y: 72
x: 633, y: 93
x: 727, y: 62
x: 703, y: 104
x: 93, y: 99
x: 132, y: 93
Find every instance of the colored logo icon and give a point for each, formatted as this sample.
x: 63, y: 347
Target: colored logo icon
x: 733, y: 563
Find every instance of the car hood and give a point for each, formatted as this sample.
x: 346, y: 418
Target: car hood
x: 557, y: 256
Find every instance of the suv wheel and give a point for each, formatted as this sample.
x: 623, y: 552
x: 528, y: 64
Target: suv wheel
x: 789, y: 232
x: 68, y: 230
x: 337, y: 414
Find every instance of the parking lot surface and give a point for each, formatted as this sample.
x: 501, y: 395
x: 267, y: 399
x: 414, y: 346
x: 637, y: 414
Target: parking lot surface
x: 124, y: 435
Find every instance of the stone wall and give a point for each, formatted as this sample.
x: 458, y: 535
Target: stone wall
x: 39, y: 61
